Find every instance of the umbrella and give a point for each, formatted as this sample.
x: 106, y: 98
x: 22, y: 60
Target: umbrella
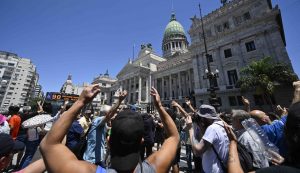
x: 37, y: 121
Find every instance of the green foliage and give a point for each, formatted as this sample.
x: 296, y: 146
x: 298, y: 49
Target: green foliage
x: 263, y: 76
x: 33, y: 101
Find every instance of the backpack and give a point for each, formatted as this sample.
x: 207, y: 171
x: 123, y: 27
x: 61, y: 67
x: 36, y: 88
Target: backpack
x: 245, y: 157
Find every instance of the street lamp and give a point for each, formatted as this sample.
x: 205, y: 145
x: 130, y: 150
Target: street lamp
x: 209, y: 74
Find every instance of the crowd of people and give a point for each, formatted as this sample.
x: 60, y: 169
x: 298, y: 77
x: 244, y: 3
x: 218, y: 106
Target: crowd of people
x: 122, y: 139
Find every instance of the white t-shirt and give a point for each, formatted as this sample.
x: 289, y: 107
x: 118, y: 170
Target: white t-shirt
x: 4, y: 128
x: 216, y: 135
x: 33, y: 134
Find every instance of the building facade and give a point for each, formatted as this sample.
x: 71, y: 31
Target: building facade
x: 237, y: 33
x: 105, y: 82
x: 135, y: 76
x: 18, y: 80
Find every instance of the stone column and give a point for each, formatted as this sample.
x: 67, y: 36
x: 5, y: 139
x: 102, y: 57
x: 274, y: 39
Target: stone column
x: 163, y: 88
x: 170, y: 87
x: 189, y: 83
x: 129, y: 91
x: 179, y: 84
x: 148, y: 80
x: 140, y: 90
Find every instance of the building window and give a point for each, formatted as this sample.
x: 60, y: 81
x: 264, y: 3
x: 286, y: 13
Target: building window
x: 232, y: 77
x: 250, y: 46
x: 219, y: 28
x: 11, y: 64
x: 232, y: 101
x: 180, y: 44
x: 208, y: 33
x: 226, y: 25
x: 227, y: 53
x: 247, y: 16
x: 173, y: 45
x: 220, y: 101
x: 210, y: 58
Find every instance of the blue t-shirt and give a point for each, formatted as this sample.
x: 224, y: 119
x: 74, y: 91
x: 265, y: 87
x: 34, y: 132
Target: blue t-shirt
x: 95, y: 151
x: 74, y: 134
x: 275, y: 133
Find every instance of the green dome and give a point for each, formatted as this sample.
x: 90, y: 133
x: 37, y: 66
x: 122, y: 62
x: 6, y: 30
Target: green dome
x: 173, y: 28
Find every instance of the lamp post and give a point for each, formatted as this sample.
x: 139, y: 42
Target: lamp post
x: 209, y: 74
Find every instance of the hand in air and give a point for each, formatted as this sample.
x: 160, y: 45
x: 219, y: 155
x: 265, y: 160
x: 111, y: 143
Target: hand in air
x: 156, y: 97
x: 89, y: 93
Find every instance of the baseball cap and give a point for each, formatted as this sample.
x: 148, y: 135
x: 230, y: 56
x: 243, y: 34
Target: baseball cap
x: 125, y: 140
x: 8, y: 145
x: 208, y: 111
x: 2, y: 118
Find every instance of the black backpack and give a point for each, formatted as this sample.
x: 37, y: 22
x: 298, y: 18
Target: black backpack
x: 245, y: 157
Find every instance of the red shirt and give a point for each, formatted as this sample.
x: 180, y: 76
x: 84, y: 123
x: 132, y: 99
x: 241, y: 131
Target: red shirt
x: 15, y: 122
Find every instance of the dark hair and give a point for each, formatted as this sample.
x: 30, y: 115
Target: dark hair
x: 13, y: 109
x: 292, y: 132
x: 47, y: 107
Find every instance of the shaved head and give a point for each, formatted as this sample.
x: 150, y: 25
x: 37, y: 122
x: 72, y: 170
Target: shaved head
x: 261, y: 117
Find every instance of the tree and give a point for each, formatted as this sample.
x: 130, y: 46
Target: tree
x: 264, y: 75
x: 32, y: 102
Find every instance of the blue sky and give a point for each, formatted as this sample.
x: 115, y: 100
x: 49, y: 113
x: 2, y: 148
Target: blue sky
x: 84, y: 38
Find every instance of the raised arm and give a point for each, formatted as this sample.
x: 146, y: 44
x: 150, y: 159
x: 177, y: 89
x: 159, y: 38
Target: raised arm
x: 296, y: 92
x: 246, y: 103
x: 188, y: 102
x: 114, y: 109
x: 40, y: 107
x: 163, y: 158
x: 182, y: 111
x: 233, y: 162
x: 57, y: 157
x: 198, y: 147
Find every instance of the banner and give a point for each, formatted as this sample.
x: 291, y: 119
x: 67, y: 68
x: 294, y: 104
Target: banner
x: 55, y: 96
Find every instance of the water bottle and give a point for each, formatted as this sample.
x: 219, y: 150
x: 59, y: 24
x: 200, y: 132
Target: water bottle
x: 260, y: 137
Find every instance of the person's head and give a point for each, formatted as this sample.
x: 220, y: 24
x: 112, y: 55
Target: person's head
x: 47, y: 107
x: 26, y: 109
x: 2, y: 119
x: 237, y: 117
x: 7, y: 146
x: 292, y: 133
x: 87, y: 113
x: 104, y: 110
x: 261, y: 117
x: 14, y: 110
x: 125, y: 140
x: 207, y: 114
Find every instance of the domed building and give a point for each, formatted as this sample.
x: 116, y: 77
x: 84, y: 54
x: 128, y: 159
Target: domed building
x: 174, y: 39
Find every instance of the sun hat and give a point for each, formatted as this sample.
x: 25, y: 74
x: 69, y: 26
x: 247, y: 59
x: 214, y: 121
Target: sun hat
x: 208, y: 111
x: 2, y: 118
